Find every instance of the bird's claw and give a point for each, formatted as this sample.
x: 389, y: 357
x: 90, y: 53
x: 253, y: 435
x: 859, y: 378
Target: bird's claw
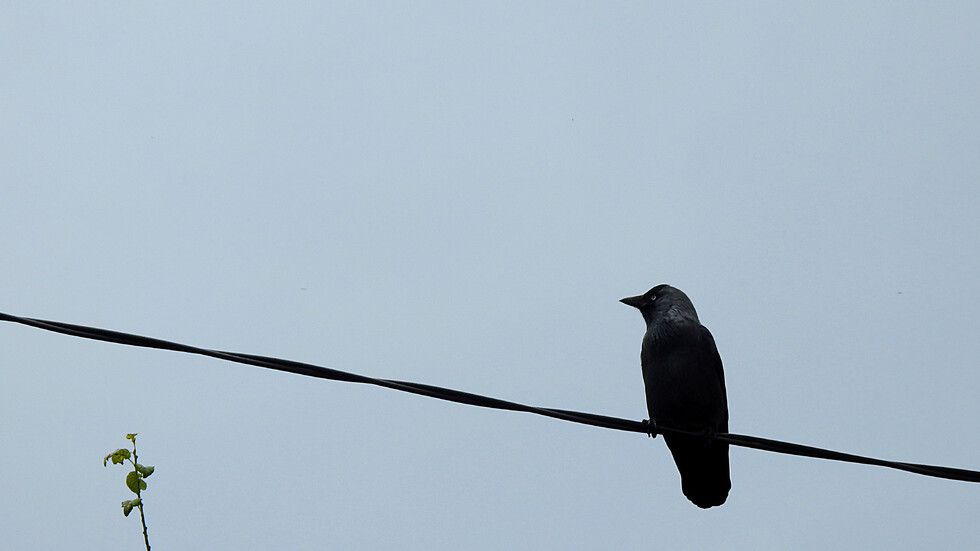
x: 709, y: 436
x: 651, y: 426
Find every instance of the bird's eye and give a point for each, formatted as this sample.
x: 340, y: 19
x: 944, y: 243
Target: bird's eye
x: 652, y: 298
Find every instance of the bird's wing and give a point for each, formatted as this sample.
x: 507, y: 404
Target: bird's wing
x: 712, y: 352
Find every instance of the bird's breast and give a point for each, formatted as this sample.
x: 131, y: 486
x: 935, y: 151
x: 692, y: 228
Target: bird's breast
x: 683, y: 388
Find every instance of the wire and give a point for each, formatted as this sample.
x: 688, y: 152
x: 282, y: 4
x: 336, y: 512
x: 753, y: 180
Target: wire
x: 451, y: 395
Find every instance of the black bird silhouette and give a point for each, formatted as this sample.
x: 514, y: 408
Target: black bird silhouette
x: 685, y: 387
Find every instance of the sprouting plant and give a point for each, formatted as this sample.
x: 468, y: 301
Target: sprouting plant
x: 134, y: 481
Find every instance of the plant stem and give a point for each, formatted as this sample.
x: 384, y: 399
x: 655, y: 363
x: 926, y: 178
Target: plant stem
x: 146, y: 538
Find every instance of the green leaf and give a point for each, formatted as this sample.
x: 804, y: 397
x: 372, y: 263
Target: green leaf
x: 144, y: 470
x: 135, y: 482
x: 117, y: 456
x: 129, y: 504
x: 131, y: 436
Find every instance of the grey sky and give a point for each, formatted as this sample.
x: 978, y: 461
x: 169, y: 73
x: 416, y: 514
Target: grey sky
x: 458, y: 194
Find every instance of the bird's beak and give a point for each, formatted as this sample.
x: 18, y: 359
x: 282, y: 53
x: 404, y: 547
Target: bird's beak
x: 635, y: 302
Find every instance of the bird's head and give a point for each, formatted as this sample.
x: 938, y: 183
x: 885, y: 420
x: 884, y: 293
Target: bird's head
x: 663, y: 303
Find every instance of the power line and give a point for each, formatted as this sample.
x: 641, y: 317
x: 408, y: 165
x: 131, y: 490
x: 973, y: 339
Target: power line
x: 451, y: 395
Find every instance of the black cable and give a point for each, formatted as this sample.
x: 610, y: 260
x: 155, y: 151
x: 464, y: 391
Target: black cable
x: 451, y: 395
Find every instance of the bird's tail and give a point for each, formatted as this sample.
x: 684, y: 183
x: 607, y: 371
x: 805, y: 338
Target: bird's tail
x: 703, y: 464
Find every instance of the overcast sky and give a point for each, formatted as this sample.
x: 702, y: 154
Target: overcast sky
x: 458, y: 194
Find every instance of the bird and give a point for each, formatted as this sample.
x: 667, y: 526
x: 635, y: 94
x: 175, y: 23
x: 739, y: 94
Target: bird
x: 685, y: 389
